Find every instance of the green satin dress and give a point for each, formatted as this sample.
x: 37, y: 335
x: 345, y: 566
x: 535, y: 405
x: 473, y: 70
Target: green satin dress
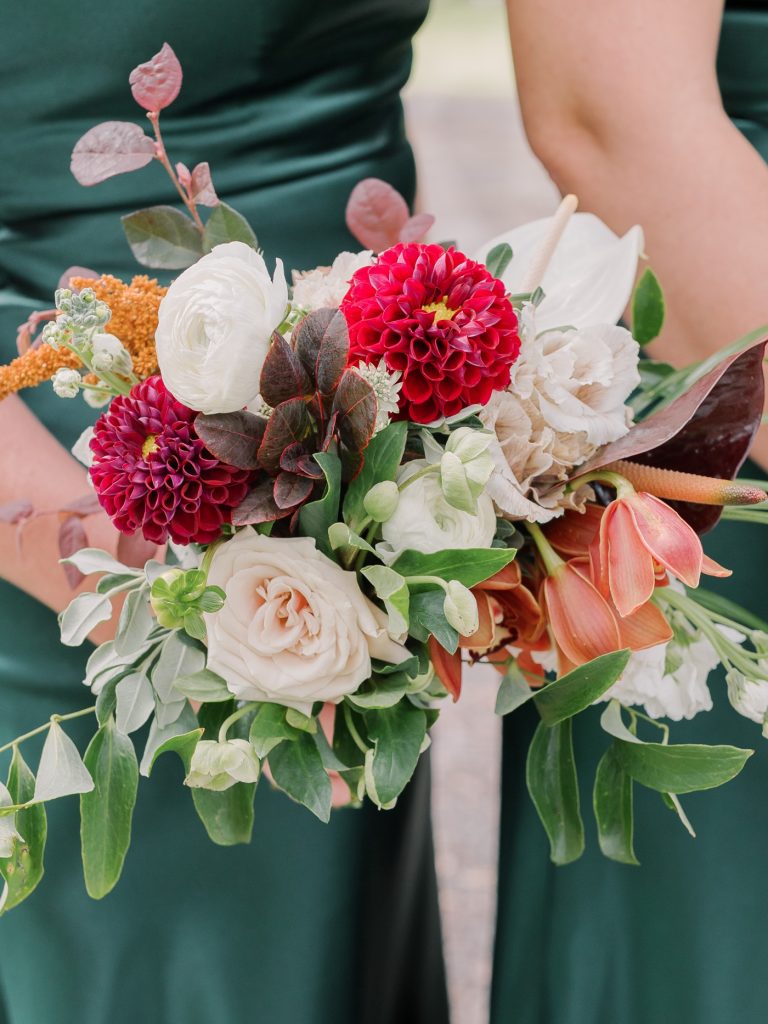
x: 683, y: 938
x: 291, y: 102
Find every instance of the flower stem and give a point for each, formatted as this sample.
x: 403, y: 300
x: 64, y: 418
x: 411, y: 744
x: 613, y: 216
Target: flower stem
x: 424, y: 471
x: 357, y: 738
x: 621, y: 485
x: 227, y: 724
x: 549, y: 556
x: 42, y: 728
x: 162, y: 156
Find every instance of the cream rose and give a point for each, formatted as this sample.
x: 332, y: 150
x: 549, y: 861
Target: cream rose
x: 215, y: 326
x: 296, y: 628
x: 424, y: 521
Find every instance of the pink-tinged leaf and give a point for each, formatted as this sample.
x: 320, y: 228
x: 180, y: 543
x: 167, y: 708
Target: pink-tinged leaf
x: 156, y: 84
x: 356, y: 406
x: 15, y: 511
x: 184, y: 175
x: 416, y: 227
x: 135, y: 550
x: 259, y: 506
x: 114, y: 147
x: 321, y: 341
x: 233, y: 437
x: 72, y: 538
x: 65, y: 281
x: 282, y: 375
x: 708, y: 430
x: 85, y: 505
x: 25, y: 333
x: 376, y: 214
x: 291, y: 490
x: 288, y: 424
x: 201, y: 187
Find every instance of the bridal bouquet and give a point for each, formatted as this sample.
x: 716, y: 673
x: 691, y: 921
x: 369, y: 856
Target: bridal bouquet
x: 406, y: 462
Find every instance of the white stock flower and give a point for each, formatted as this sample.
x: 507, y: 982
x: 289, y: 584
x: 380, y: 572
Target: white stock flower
x: 109, y: 354
x: 424, y: 521
x: 215, y: 326
x: 567, y: 397
x: 326, y: 286
x: 296, y: 628
x: 748, y: 696
x: 66, y: 383
x: 218, y: 766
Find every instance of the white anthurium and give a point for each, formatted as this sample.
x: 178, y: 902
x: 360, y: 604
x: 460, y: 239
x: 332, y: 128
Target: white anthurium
x: 589, y: 278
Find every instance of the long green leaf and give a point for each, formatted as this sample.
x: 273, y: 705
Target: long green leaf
x: 550, y: 774
x: 382, y: 459
x: 469, y: 566
x: 580, y: 688
x: 24, y: 869
x: 317, y: 516
x: 682, y: 768
x: 613, y: 806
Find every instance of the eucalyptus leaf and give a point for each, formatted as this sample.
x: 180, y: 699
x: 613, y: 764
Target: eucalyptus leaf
x: 61, y: 771
x: 180, y: 656
x: 106, y: 812
x: 136, y: 622
x: 181, y: 737
x: 204, y: 686
x: 550, y: 774
x: 90, y: 560
x: 81, y: 616
x: 135, y: 701
x: 163, y: 238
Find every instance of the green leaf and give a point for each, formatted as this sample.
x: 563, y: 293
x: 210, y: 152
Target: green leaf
x: 392, y: 589
x: 682, y: 768
x: 381, y: 692
x: 81, y: 616
x: 647, y: 308
x: 269, y: 728
x: 24, y: 869
x: 204, y: 686
x: 498, y: 259
x: 316, y: 517
x: 580, y: 688
x: 226, y: 815
x: 180, y: 657
x: 135, y: 701
x: 382, y: 460
x: 61, y: 771
x: 397, y: 735
x: 550, y: 774
x: 297, y: 769
x: 469, y: 566
x: 304, y: 723
x: 182, y: 744
x: 107, y: 811
x: 612, y: 802
x: 513, y: 691
x: 227, y: 225
x: 341, y: 536
x: 136, y: 622
x: 163, y: 237
x: 428, y: 617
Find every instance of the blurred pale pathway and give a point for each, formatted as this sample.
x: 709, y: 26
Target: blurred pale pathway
x: 478, y: 176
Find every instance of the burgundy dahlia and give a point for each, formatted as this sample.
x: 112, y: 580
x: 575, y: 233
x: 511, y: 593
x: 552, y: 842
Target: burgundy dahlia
x: 153, y: 473
x: 440, y: 319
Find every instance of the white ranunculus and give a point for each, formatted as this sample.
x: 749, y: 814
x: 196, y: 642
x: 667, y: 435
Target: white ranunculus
x: 588, y: 280
x: 668, y: 692
x: 215, y: 326
x: 424, y: 521
x: 326, y: 286
x: 219, y: 765
x: 296, y: 628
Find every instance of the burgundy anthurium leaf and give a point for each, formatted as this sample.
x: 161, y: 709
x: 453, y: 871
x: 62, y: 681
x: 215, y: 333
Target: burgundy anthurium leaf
x: 72, y: 538
x: 14, y: 512
x: 114, y: 147
x: 233, y: 437
x: 288, y: 424
x: 282, y: 376
x: 135, y: 550
x: 85, y: 505
x: 375, y: 214
x: 201, y: 188
x: 708, y: 430
x: 321, y: 341
x: 356, y: 408
x: 291, y: 490
x: 259, y: 506
x: 416, y: 227
x: 156, y: 84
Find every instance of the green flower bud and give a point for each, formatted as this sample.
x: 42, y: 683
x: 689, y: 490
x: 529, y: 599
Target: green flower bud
x: 382, y: 500
x: 218, y: 766
x: 468, y: 444
x: 179, y: 599
x: 460, y: 608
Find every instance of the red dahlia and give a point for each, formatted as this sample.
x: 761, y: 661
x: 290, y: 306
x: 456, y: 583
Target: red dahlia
x: 153, y: 473
x: 440, y: 319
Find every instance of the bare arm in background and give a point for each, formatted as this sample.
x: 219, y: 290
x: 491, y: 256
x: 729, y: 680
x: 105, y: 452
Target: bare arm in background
x: 621, y: 103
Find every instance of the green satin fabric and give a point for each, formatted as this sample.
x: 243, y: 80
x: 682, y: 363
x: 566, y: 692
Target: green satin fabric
x: 683, y: 937
x: 291, y: 103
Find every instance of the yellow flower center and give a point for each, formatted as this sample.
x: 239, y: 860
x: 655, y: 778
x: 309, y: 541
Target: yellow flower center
x: 149, y: 446
x: 441, y: 311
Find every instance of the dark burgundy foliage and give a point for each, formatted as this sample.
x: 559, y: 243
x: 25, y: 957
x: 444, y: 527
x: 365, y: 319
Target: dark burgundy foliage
x: 708, y: 430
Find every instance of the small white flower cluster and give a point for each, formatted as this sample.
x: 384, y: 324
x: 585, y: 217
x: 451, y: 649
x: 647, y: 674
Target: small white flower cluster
x: 567, y: 397
x: 386, y: 386
x: 325, y: 287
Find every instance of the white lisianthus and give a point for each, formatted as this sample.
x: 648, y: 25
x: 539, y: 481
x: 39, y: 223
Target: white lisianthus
x: 566, y: 398
x: 218, y: 766
x: 215, y: 326
x: 669, y: 680
x: 748, y: 696
x: 296, y: 628
x: 424, y: 521
x: 326, y: 286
